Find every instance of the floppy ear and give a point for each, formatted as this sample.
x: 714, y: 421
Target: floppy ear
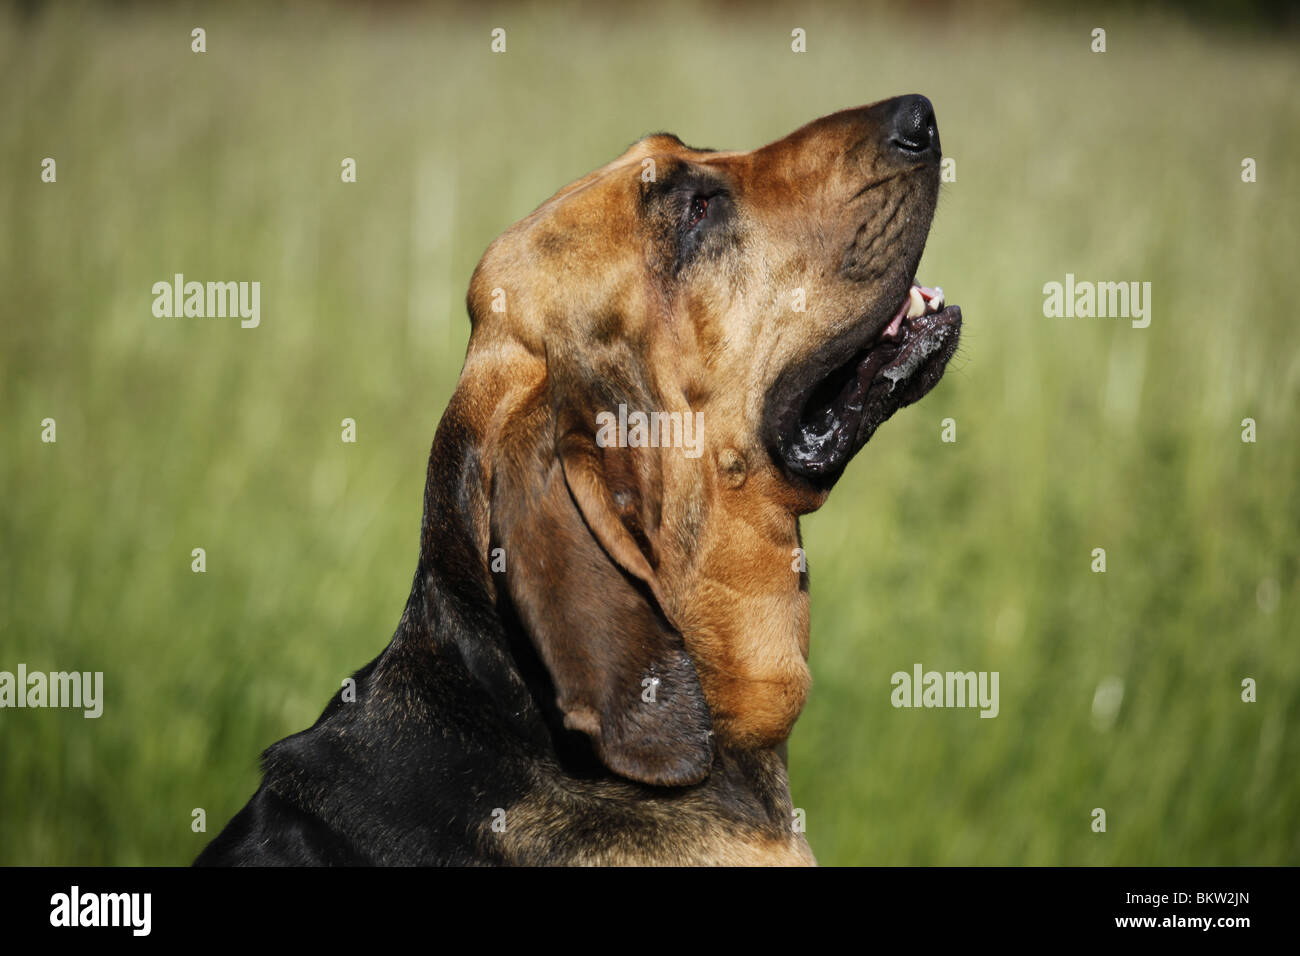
x: 579, y: 570
x: 612, y: 494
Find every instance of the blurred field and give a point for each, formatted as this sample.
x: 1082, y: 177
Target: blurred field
x: 1072, y: 433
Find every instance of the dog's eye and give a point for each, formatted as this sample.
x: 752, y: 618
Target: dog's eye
x: 699, y: 209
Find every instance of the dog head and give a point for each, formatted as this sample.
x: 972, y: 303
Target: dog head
x: 671, y: 360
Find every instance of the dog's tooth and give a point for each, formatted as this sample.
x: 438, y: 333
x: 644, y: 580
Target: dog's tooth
x: 936, y: 300
x: 916, y: 303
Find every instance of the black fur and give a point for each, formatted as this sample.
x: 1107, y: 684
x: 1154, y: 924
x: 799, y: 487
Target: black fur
x: 457, y: 719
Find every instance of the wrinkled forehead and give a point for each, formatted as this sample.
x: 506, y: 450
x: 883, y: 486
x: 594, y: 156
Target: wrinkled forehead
x: 803, y: 156
x: 782, y: 170
x: 581, y: 241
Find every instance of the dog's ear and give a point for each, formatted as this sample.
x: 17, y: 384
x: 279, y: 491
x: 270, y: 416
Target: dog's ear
x: 577, y: 523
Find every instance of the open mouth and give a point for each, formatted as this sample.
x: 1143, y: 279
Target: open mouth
x: 830, y: 408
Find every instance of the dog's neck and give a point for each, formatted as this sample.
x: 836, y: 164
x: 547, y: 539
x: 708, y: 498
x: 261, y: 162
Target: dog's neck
x: 462, y: 650
x: 747, y: 788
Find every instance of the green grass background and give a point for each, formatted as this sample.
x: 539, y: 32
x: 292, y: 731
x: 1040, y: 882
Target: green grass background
x: 1072, y: 434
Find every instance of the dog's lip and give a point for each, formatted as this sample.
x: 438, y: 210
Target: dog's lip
x: 829, y: 410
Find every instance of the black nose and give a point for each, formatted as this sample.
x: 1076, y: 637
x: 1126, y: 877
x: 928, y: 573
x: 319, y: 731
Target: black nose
x: 914, y: 128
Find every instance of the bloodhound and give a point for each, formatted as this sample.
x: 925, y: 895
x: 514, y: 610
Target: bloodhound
x: 604, y: 649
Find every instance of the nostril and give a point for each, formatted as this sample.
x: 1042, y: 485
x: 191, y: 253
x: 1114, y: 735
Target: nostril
x: 915, y: 129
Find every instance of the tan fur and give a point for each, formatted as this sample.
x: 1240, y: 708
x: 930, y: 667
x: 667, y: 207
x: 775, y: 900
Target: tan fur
x: 713, y: 539
x: 715, y: 348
